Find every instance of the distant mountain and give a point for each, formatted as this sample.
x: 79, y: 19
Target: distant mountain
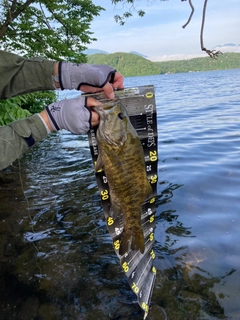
x: 139, y: 54
x: 224, y: 48
x: 94, y: 51
x: 227, y: 45
x: 129, y: 64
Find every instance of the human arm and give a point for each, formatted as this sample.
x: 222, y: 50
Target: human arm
x: 73, y: 115
x: 17, y: 137
x: 20, y: 75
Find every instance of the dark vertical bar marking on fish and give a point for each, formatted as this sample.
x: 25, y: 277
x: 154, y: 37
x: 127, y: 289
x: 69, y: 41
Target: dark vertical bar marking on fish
x: 139, y: 268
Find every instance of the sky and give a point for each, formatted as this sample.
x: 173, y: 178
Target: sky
x: 159, y: 33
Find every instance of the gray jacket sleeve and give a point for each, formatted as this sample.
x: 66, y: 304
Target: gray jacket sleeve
x: 18, y: 76
x: 21, y: 75
x: 17, y: 137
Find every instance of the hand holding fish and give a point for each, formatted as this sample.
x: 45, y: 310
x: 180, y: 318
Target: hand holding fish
x: 89, y: 78
x: 73, y: 115
x: 22, y: 75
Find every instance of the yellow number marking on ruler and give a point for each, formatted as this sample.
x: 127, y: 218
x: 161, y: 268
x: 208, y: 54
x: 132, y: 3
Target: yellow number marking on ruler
x: 145, y: 307
x: 152, y: 218
x: 135, y: 287
x: 104, y: 194
x: 151, y: 237
x: 154, y: 270
x: 152, y: 200
x: 152, y: 254
x: 149, y: 95
x: 153, y: 155
x: 125, y: 267
x: 153, y: 179
x: 110, y: 221
x: 116, y: 244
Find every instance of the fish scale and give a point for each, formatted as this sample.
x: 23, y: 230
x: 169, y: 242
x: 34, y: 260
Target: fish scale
x: 138, y: 267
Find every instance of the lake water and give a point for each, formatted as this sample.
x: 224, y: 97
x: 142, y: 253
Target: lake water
x: 56, y: 257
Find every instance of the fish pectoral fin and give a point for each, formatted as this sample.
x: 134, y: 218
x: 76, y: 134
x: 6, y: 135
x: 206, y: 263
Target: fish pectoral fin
x: 98, y: 164
x: 131, y: 241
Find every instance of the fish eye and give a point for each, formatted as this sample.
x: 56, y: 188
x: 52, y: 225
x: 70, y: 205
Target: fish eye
x: 120, y: 115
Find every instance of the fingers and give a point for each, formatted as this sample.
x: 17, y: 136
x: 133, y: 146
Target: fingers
x: 91, y: 102
x: 117, y: 84
x: 108, y: 88
x: 118, y: 81
x: 89, y: 89
x: 94, y: 119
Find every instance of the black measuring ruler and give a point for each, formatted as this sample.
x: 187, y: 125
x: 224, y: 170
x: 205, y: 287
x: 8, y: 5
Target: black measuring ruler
x: 139, y: 269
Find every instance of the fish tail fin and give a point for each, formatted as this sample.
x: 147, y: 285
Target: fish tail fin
x: 138, y: 242
x: 134, y: 241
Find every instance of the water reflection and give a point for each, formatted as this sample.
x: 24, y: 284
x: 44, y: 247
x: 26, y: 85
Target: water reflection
x: 61, y: 264
x: 184, y: 289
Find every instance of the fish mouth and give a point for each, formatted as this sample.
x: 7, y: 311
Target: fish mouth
x: 110, y: 104
x: 104, y: 109
x: 106, y: 106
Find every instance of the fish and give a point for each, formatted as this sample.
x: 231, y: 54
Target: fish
x: 121, y: 157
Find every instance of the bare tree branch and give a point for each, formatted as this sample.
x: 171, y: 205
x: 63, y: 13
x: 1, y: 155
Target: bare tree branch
x: 212, y: 53
x: 46, y: 20
x: 58, y: 19
x: 190, y: 17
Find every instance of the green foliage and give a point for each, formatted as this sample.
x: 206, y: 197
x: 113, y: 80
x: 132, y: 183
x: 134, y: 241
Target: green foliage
x: 53, y: 29
x: 35, y: 102
x: 228, y: 60
x: 133, y: 65
x: 130, y: 5
x: 49, y: 28
x: 23, y: 106
x: 11, y: 110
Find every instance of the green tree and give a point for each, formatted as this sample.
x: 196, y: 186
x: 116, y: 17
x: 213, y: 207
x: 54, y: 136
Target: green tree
x: 49, y: 28
x: 59, y: 30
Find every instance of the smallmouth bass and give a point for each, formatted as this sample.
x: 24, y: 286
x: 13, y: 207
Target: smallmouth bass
x: 122, y: 159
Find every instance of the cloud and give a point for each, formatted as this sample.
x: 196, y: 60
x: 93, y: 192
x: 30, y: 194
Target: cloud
x: 160, y: 31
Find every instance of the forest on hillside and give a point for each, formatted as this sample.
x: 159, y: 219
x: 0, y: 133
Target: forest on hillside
x: 134, y: 65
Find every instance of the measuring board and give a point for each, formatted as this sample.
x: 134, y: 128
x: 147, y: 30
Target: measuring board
x: 141, y: 108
